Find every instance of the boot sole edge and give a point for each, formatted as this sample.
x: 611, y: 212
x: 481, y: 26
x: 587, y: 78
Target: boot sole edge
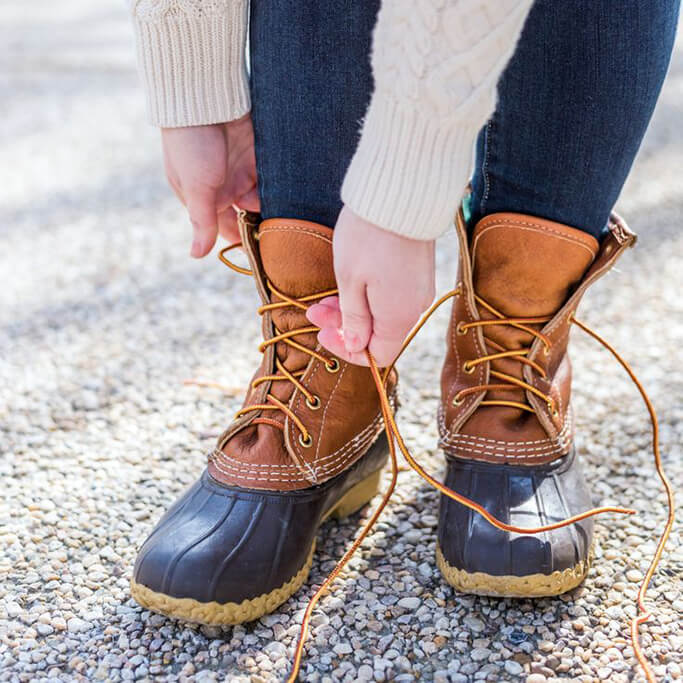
x: 526, y: 586
x: 216, y: 613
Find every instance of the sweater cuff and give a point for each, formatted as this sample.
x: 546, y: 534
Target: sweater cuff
x: 409, y: 170
x: 194, y: 67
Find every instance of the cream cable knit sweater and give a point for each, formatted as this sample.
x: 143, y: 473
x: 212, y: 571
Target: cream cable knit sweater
x: 435, y: 63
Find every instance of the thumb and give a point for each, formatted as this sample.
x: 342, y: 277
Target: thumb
x: 355, y: 315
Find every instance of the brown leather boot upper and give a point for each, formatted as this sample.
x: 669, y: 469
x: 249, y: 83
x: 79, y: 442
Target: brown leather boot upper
x: 531, y: 273
x: 291, y: 261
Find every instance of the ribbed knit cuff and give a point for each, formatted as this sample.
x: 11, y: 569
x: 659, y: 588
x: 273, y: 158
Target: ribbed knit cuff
x: 194, y: 67
x: 409, y: 171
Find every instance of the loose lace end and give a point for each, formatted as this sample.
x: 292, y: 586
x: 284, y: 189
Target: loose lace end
x: 394, y: 436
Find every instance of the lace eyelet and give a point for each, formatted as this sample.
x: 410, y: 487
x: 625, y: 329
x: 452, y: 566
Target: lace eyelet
x: 553, y: 410
x: 457, y: 401
x: 307, y: 442
x: 546, y: 350
x: 468, y: 367
x: 332, y: 365
x: 314, y: 404
x: 460, y: 329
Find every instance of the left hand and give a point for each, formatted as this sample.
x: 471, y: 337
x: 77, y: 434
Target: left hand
x: 385, y: 280
x: 210, y: 168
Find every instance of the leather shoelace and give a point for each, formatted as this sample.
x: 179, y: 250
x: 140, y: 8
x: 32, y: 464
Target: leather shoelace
x: 331, y: 364
x: 509, y: 383
x: 394, y: 437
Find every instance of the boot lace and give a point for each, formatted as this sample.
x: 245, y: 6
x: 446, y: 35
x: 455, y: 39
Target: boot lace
x: 508, y: 382
x: 288, y: 338
x: 394, y: 438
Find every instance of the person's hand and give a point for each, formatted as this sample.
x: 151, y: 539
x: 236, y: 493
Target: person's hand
x: 210, y: 168
x: 385, y: 283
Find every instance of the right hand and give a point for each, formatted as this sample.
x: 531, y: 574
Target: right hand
x: 210, y: 168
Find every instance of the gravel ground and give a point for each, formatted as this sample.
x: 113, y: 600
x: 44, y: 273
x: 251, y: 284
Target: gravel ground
x: 102, y: 315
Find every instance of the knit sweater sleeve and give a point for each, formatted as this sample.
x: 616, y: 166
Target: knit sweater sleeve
x: 436, y: 64
x: 191, y: 58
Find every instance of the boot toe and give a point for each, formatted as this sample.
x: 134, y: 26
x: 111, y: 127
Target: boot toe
x: 476, y: 557
x: 225, y: 555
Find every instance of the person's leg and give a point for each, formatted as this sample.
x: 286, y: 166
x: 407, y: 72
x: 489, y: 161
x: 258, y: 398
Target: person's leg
x: 573, y: 105
x: 311, y: 83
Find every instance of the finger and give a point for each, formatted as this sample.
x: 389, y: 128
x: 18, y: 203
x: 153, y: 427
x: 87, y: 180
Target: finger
x: 355, y: 313
x: 322, y: 315
x: 201, y: 205
x: 227, y: 225
x: 331, y: 302
x: 387, y: 339
x: 331, y: 338
x: 250, y: 201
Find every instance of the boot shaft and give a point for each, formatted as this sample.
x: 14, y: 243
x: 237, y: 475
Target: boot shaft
x: 307, y: 416
x: 506, y: 379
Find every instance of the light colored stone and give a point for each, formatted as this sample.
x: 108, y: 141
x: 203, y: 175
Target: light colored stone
x: 479, y: 654
x: 76, y: 625
x: 513, y: 668
x: 474, y: 623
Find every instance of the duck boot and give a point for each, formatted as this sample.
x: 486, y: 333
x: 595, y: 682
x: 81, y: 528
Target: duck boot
x: 307, y: 444
x: 505, y: 419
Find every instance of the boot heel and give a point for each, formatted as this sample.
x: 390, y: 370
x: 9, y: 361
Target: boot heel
x: 354, y: 499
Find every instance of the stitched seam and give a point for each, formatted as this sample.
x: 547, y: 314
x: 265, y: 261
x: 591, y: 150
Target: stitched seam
x: 485, y: 166
x: 508, y: 457
x: 490, y: 449
x: 513, y: 446
x: 527, y: 225
x: 505, y: 444
x: 581, y: 238
x: 340, y: 451
x: 322, y: 422
x: 330, y: 469
x: 455, y: 351
x: 282, y: 476
x: 296, y: 228
x: 442, y: 423
x: 481, y: 352
x: 559, y: 446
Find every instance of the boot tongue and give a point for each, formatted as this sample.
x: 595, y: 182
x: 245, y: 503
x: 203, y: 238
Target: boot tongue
x: 525, y: 266
x: 296, y: 257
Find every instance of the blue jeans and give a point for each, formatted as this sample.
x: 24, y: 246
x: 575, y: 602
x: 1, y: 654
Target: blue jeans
x: 573, y: 105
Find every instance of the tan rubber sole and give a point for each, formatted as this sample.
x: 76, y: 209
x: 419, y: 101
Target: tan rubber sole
x: 230, y: 613
x: 528, y: 586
